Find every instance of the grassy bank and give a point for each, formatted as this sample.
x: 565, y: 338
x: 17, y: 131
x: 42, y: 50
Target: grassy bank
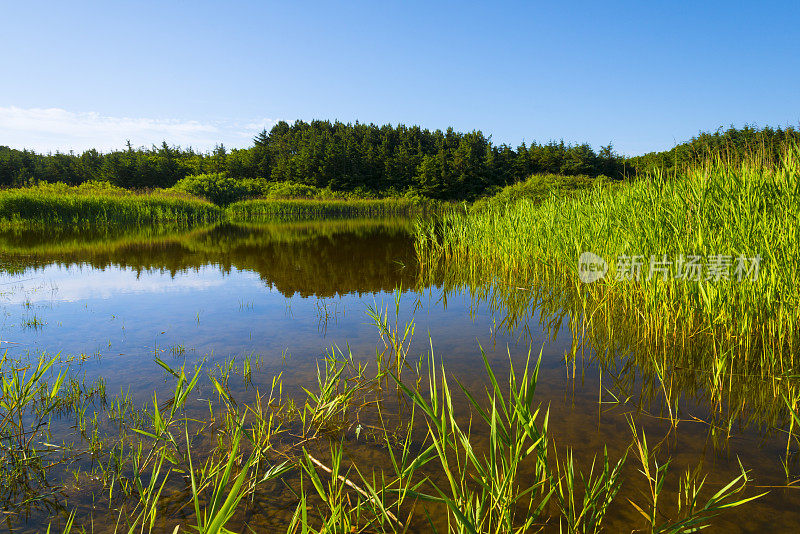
x: 98, y: 204
x: 726, y: 325
x: 538, y: 188
x: 268, y: 209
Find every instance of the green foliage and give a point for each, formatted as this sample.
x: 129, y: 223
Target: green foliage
x: 538, y: 188
x: 296, y: 190
x: 99, y: 203
x: 367, y: 160
x: 731, y: 333
x: 717, y: 209
x: 599, y: 490
x: 483, y: 467
x: 27, y: 401
x: 269, y: 209
x: 692, y: 516
x: 733, y: 145
x: 484, y: 492
x: 33, y: 393
x: 62, y: 207
x: 220, y: 188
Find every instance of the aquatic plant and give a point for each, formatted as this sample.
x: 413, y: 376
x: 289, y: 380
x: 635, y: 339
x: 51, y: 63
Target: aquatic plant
x: 58, y: 205
x: 268, y: 209
x: 489, y: 467
x: 716, y: 333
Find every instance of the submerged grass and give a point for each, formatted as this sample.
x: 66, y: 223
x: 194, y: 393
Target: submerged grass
x: 431, y: 466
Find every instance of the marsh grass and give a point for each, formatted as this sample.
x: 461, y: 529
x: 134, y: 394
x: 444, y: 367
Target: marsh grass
x: 692, y: 514
x: 729, y: 342
x: 169, y: 467
x: 33, y: 393
x: 93, y: 204
x: 256, y: 210
x: 538, y: 188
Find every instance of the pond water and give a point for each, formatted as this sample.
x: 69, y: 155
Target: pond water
x: 284, y: 295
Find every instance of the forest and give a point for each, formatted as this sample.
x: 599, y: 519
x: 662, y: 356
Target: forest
x: 382, y: 160
x: 370, y: 160
x: 733, y: 146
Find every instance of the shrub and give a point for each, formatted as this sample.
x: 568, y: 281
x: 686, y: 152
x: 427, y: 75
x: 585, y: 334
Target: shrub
x: 537, y: 188
x: 220, y: 188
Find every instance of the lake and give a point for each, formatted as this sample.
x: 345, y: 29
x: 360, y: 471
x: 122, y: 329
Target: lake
x: 278, y: 298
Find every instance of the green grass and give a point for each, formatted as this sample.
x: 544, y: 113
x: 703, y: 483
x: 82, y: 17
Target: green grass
x: 268, y: 209
x: 537, y: 189
x: 711, y: 334
x: 222, y: 189
x: 99, y: 205
x: 498, y: 471
x: 424, y: 464
x: 94, y: 205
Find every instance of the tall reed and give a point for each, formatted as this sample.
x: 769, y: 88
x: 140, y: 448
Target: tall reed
x: 269, y: 209
x: 63, y: 206
x: 724, y: 327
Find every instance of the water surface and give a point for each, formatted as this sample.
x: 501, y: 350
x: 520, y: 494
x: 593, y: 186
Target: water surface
x: 286, y: 293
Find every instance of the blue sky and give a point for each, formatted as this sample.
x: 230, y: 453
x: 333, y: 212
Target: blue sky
x: 643, y: 75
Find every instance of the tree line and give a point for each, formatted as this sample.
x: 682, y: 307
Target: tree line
x: 342, y: 157
x: 733, y: 145
x: 374, y: 159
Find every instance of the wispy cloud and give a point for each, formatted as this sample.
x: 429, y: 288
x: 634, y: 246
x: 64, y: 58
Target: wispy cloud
x: 51, y: 129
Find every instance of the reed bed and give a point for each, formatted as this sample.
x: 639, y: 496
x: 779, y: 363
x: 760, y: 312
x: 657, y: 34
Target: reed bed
x: 539, y: 187
x: 97, y: 204
x: 87, y: 205
x: 710, y: 334
x: 268, y: 209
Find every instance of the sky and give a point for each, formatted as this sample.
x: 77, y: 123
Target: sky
x: 641, y: 75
